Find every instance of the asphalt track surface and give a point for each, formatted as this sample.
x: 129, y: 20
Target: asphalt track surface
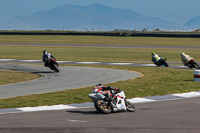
x: 173, y: 116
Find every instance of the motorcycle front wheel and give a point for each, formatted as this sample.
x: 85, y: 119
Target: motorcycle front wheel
x: 196, y: 65
x: 103, y: 107
x: 165, y: 64
x: 130, y: 106
x: 56, y: 68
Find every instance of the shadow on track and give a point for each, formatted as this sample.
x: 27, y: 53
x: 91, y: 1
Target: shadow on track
x: 84, y: 112
x: 43, y: 72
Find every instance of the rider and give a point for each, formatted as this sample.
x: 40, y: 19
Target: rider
x: 186, y: 59
x: 104, y: 89
x: 46, y: 56
x: 155, y: 57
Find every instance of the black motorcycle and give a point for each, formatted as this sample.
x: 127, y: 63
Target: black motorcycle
x: 162, y: 62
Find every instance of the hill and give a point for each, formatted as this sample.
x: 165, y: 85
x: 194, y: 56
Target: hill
x: 193, y: 22
x: 96, y: 16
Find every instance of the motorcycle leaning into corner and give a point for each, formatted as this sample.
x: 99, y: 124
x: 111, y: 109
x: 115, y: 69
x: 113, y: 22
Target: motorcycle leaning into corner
x: 189, y: 61
x: 158, y: 60
x: 161, y: 62
x: 52, y: 64
x: 111, y: 102
x: 50, y: 61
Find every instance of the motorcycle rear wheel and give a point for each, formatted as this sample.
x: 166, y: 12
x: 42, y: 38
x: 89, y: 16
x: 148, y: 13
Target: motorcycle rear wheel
x: 130, y: 106
x: 103, y: 107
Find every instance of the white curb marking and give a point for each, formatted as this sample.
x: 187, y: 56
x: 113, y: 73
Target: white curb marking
x: 75, y: 120
x: 89, y: 105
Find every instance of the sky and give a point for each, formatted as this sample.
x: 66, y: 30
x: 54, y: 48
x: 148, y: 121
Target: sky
x: 178, y: 11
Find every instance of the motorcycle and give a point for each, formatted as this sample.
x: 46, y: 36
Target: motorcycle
x: 162, y: 62
x: 193, y: 64
x: 53, y: 65
x: 105, y: 103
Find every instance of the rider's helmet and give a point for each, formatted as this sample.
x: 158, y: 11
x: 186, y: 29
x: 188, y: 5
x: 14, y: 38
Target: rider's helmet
x: 153, y: 53
x: 45, y: 52
x: 182, y: 54
x: 99, y: 85
x: 110, y: 88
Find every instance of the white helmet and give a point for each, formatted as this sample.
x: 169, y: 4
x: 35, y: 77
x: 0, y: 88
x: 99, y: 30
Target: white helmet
x: 182, y: 54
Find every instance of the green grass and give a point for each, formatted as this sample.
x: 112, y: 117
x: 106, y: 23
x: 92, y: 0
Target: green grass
x: 9, y: 77
x: 156, y: 81
x: 64, y: 39
x: 92, y: 54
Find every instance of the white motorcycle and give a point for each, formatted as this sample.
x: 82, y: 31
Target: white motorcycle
x: 106, y: 104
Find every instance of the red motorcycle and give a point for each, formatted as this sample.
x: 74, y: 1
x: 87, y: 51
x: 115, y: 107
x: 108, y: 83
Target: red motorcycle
x: 53, y: 65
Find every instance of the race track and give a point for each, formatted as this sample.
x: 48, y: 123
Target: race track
x: 68, y: 78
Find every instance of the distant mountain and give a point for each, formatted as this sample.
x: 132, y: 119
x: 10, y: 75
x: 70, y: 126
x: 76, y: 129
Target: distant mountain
x: 96, y: 16
x: 193, y: 22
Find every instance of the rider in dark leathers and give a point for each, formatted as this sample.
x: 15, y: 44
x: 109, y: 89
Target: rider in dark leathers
x: 46, y: 56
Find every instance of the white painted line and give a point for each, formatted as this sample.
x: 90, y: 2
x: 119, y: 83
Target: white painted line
x: 43, y: 108
x: 64, y: 61
x: 75, y: 120
x: 140, y: 100
x: 120, y: 63
x: 148, y: 65
x: 180, y: 66
x: 7, y: 59
x: 29, y: 60
x: 87, y: 62
x: 188, y: 95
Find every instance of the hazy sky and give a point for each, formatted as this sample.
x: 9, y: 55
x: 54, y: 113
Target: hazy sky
x: 178, y: 11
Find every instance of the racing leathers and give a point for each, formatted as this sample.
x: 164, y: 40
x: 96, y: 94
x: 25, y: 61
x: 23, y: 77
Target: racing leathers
x: 156, y: 58
x: 46, y: 58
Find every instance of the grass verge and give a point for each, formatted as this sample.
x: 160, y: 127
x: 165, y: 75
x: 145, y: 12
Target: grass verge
x: 92, y: 54
x: 156, y: 81
x: 69, y: 39
x: 10, y: 77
